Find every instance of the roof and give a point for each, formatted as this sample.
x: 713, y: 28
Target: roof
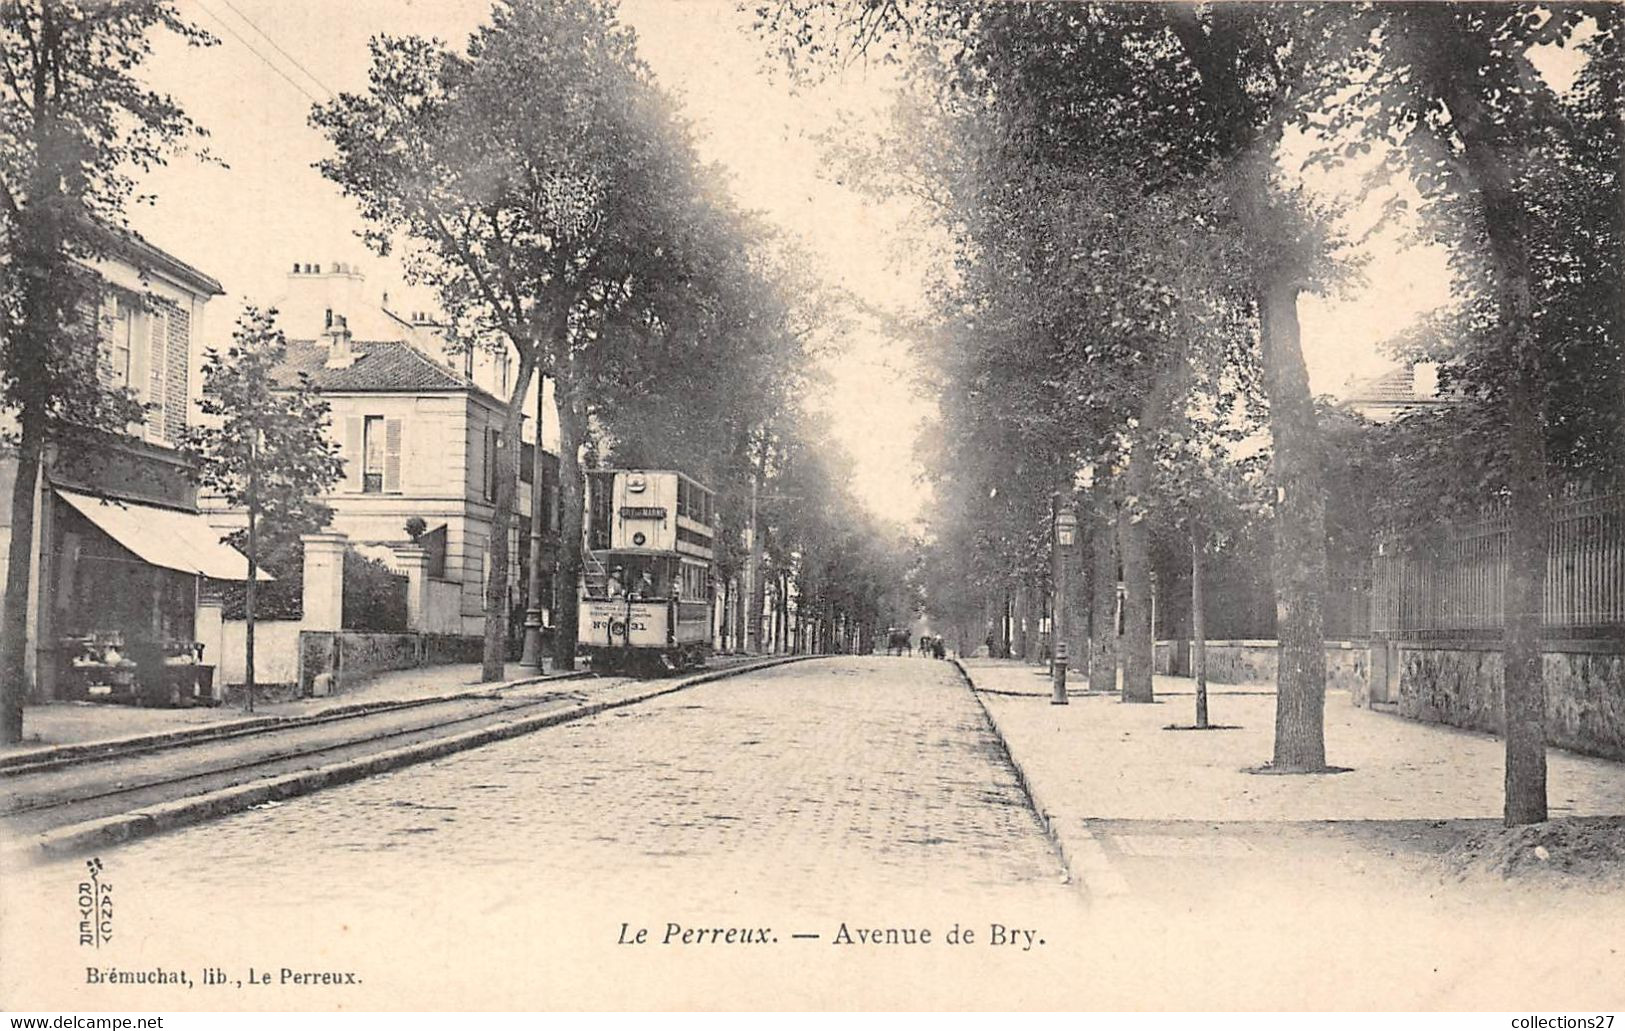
x: 1397, y: 385
x: 144, y: 255
x: 390, y: 366
x: 182, y: 541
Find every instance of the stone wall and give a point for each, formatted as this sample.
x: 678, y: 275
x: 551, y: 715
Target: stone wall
x: 352, y: 654
x: 1348, y: 663
x: 1461, y: 684
x: 443, y: 609
x: 276, y: 651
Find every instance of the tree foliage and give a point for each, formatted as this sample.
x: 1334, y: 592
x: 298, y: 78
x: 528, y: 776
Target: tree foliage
x: 549, y: 194
x: 263, y: 447
x: 264, y: 443
x: 77, y: 125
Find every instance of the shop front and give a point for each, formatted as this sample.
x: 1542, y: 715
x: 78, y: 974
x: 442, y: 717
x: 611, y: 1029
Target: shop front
x: 124, y: 559
x: 128, y: 580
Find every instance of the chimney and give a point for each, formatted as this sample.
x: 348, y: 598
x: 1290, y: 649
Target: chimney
x: 340, y: 355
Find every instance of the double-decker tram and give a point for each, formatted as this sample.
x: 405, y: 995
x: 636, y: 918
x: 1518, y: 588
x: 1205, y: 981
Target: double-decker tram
x: 646, y: 592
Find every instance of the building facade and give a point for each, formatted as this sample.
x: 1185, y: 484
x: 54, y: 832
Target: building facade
x: 420, y: 430
x: 120, y: 554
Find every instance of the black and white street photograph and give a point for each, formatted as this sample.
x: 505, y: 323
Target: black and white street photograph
x: 877, y: 506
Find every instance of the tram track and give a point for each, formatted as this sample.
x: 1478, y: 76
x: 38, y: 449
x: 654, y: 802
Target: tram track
x: 16, y: 804
x: 79, y: 755
x: 114, y: 798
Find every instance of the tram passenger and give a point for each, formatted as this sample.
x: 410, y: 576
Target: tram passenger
x: 617, y: 582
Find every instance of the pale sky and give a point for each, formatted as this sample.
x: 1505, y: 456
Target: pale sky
x: 247, y: 223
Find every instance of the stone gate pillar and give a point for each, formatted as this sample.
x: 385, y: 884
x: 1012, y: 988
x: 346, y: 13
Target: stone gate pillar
x: 324, y: 580
x: 413, y: 560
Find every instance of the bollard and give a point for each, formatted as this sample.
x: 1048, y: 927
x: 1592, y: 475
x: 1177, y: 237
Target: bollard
x: 1058, y: 675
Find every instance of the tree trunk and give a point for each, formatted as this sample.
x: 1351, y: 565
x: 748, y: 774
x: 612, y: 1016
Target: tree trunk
x: 248, y: 599
x: 19, y: 576
x: 728, y: 614
x: 757, y: 581
x: 1076, y: 605
x: 1134, y: 537
x: 42, y: 267
x: 1300, y: 534
x: 1529, y: 516
x: 1006, y: 626
x: 1199, y: 625
x: 572, y: 430
x: 531, y: 656
x: 502, y: 520
x: 1300, y: 517
x: 1103, y: 616
x: 784, y: 599
x: 1018, y: 619
x: 1524, y: 694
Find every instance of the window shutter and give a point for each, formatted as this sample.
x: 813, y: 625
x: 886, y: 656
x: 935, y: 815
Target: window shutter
x: 485, y: 463
x: 154, y: 394
x: 392, y: 456
x: 499, y: 462
x: 493, y: 462
x: 354, y: 460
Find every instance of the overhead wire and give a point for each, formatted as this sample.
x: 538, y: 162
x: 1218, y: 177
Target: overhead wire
x: 266, y: 60
x: 266, y: 36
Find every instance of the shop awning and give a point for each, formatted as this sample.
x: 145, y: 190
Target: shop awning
x: 183, y: 541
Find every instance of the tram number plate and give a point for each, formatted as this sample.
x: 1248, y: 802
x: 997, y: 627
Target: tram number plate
x: 617, y: 626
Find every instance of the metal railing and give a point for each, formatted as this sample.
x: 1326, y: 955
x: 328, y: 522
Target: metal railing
x: 1456, y: 586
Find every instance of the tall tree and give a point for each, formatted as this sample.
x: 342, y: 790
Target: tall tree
x: 1171, y: 97
x: 543, y: 183
x: 265, y: 449
x: 1525, y: 177
x: 76, y: 125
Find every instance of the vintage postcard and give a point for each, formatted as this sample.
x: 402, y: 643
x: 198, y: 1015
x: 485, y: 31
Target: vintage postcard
x: 829, y: 505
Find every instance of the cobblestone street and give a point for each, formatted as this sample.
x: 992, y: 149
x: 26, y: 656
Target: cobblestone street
x: 864, y: 791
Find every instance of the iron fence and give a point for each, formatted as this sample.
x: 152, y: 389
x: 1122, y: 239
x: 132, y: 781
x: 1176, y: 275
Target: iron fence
x: 1455, y: 586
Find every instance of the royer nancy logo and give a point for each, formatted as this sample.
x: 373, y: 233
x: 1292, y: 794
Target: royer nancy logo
x: 95, y: 907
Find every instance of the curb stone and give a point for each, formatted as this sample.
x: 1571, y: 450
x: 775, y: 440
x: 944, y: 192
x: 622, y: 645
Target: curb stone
x: 1086, y: 862
x: 57, y: 756
x: 153, y: 819
x: 1039, y: 810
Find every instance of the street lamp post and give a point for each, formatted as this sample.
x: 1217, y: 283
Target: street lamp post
x: 1066, y: 529
x: 532, y: 657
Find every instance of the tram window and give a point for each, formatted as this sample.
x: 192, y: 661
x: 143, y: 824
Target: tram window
x: 693, y: 588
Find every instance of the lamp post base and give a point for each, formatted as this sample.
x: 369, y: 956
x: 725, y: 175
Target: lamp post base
x: 533, y: 656
x: 1058, y: 683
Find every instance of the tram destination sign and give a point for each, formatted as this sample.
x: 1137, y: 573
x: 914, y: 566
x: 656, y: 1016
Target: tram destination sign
x: 643, y: 512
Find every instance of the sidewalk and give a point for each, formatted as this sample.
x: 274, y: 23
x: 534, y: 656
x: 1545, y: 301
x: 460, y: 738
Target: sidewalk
x: 53, y: 725
x: 1097, y: 758
x: 51, y: 729
x: 1323, y: 891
